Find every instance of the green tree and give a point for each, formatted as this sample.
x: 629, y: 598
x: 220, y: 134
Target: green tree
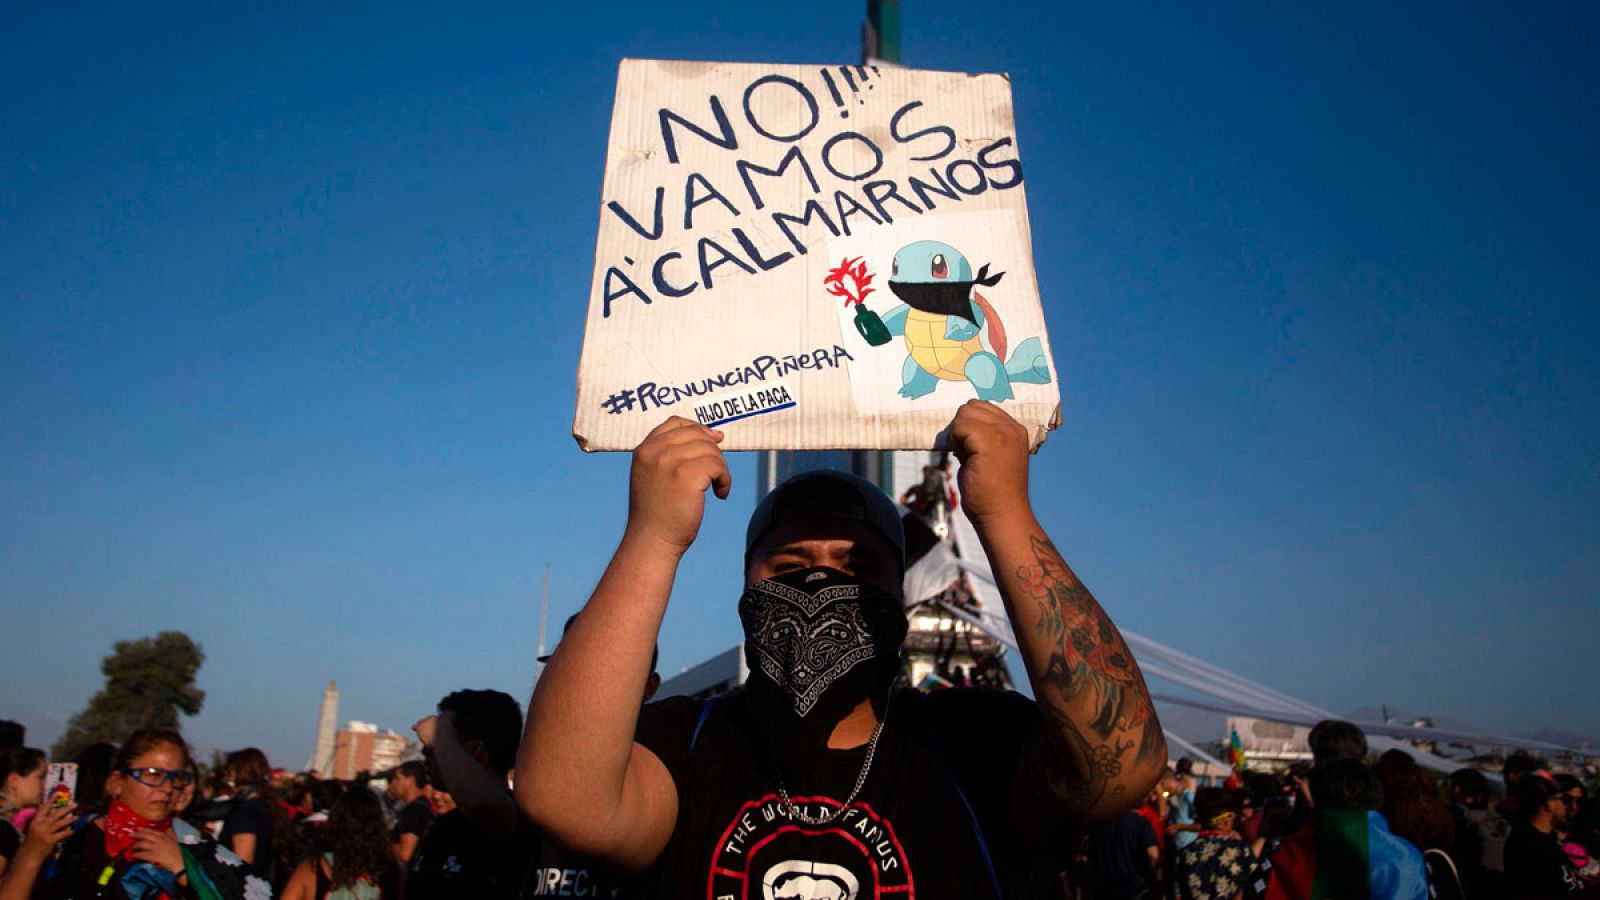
x: 148, y: 683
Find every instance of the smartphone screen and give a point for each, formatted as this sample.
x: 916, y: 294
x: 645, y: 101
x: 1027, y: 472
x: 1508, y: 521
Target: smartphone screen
x: 60, y: 784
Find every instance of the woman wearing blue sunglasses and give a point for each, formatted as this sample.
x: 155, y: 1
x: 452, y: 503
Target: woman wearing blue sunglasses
x: 133, y: 852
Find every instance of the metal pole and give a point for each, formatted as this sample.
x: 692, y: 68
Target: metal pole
x: 880, y: 36
x: 544, y: 615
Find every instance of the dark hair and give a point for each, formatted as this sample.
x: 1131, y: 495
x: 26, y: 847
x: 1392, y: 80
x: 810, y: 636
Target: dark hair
x: 1185, y: 766
x: 296, y: 791
x: 1470, y: 786
x: 94, y: 767
x: 1278, y: 819
x: 12, y: 734
x: 416, y: 770
x: 146, y: 739
x: 1262, y: 786
x: 247, y: 768
x: 1395, y: 756
x: 358, y: 838
x: 1423, y: 819
x: 1532, y: 791
x: 1345, y: 784
x: 1394, y: 764
x: 1567, y: 782
x: 1517, y: 765
x: 1586, y: 818
x: 1210, y: 802
x: 250, y: 775
x: 19, y: 761
x: 1332, y: 739
x: 1412, y: 805
x: 325, y: 792
x: 492, y: 717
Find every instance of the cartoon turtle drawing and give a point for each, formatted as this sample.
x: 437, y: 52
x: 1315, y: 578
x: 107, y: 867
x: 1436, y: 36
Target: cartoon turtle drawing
x: 945, y: 323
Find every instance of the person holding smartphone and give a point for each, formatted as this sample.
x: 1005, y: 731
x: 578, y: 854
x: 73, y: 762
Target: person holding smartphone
x: 133, y: 850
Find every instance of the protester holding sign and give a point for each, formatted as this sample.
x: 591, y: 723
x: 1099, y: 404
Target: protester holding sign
x: 816, y: 776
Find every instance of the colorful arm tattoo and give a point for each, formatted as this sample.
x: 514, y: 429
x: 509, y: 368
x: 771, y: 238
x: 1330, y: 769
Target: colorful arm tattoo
x: 1090, y: 687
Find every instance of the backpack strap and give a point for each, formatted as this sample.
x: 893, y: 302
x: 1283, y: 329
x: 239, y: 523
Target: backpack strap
x: 705, y: 713
x: 1436, y: 856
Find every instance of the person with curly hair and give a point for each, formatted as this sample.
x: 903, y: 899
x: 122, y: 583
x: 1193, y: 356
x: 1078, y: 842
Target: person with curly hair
x: 357, y: 864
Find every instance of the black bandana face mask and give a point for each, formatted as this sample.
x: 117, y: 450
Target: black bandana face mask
x: 822, y: 640
x: 944, y: 298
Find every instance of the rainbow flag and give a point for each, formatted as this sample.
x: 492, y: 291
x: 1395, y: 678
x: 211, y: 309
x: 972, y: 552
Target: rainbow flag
x: 1235, y: 750
x: 1346, y: 854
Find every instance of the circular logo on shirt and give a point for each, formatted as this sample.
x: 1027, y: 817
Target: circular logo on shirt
x: 766, y: 855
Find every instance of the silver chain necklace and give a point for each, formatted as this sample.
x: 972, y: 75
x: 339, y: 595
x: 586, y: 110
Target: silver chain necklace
x: 787, y: 806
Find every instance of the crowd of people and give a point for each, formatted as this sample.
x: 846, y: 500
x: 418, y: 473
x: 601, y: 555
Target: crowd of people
x: 823, y: 777
x: 145, y: 821
x: 1350, y: 825
x: 145, y: 813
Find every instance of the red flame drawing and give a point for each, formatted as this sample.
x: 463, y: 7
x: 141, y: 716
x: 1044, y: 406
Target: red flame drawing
x: 856, y: 271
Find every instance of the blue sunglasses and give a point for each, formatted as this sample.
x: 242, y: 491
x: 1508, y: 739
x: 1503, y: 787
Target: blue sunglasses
x: 152, y: 777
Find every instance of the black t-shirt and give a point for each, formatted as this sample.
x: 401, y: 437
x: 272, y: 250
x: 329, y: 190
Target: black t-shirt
x: 252, y: 815
x: 458, y: 861
x: 413, y: 819
x: 933, y: 819
x: 1537, y: 867
x: 10, y: 840
x: 1119, y: 857
x: 552, y: 872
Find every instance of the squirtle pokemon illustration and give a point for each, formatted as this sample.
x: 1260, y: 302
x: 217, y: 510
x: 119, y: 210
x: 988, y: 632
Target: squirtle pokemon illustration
x: 945, y: 322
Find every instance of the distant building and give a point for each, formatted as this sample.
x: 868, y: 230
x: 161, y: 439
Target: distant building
x: 1269, y: 746
x: 717, y: 675
x: 327, y: 724
x: 361, y: 747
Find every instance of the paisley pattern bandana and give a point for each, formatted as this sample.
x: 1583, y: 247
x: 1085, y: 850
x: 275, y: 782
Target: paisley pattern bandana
x: 818, y: 634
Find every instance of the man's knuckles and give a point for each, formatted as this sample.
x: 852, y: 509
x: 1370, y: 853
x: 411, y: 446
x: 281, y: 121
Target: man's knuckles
x: 693, y: 474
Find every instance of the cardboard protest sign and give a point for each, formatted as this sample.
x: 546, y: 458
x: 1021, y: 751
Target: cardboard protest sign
x: 811, y: 257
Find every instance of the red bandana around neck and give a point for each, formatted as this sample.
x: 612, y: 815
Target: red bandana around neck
x: 120, y: 822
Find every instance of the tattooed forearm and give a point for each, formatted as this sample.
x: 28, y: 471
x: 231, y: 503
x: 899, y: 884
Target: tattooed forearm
x: 1086, y: 680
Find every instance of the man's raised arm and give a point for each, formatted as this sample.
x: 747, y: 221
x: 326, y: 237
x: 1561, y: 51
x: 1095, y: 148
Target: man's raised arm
x: 1102, y: 748
x: 580, y: 776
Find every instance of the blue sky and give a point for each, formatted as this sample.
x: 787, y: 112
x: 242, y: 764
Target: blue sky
x: 291, y: 304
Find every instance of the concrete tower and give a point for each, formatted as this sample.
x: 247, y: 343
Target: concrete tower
x: 327, y: 726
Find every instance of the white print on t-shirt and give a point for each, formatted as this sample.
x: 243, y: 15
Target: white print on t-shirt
x: 800, y: 879
x: 558, y: 882
x: 857, y: 856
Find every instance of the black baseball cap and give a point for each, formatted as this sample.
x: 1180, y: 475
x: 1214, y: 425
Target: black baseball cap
x: 827, y: 494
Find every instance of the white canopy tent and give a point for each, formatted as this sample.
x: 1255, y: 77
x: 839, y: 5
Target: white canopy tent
x: 1219, y: 690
